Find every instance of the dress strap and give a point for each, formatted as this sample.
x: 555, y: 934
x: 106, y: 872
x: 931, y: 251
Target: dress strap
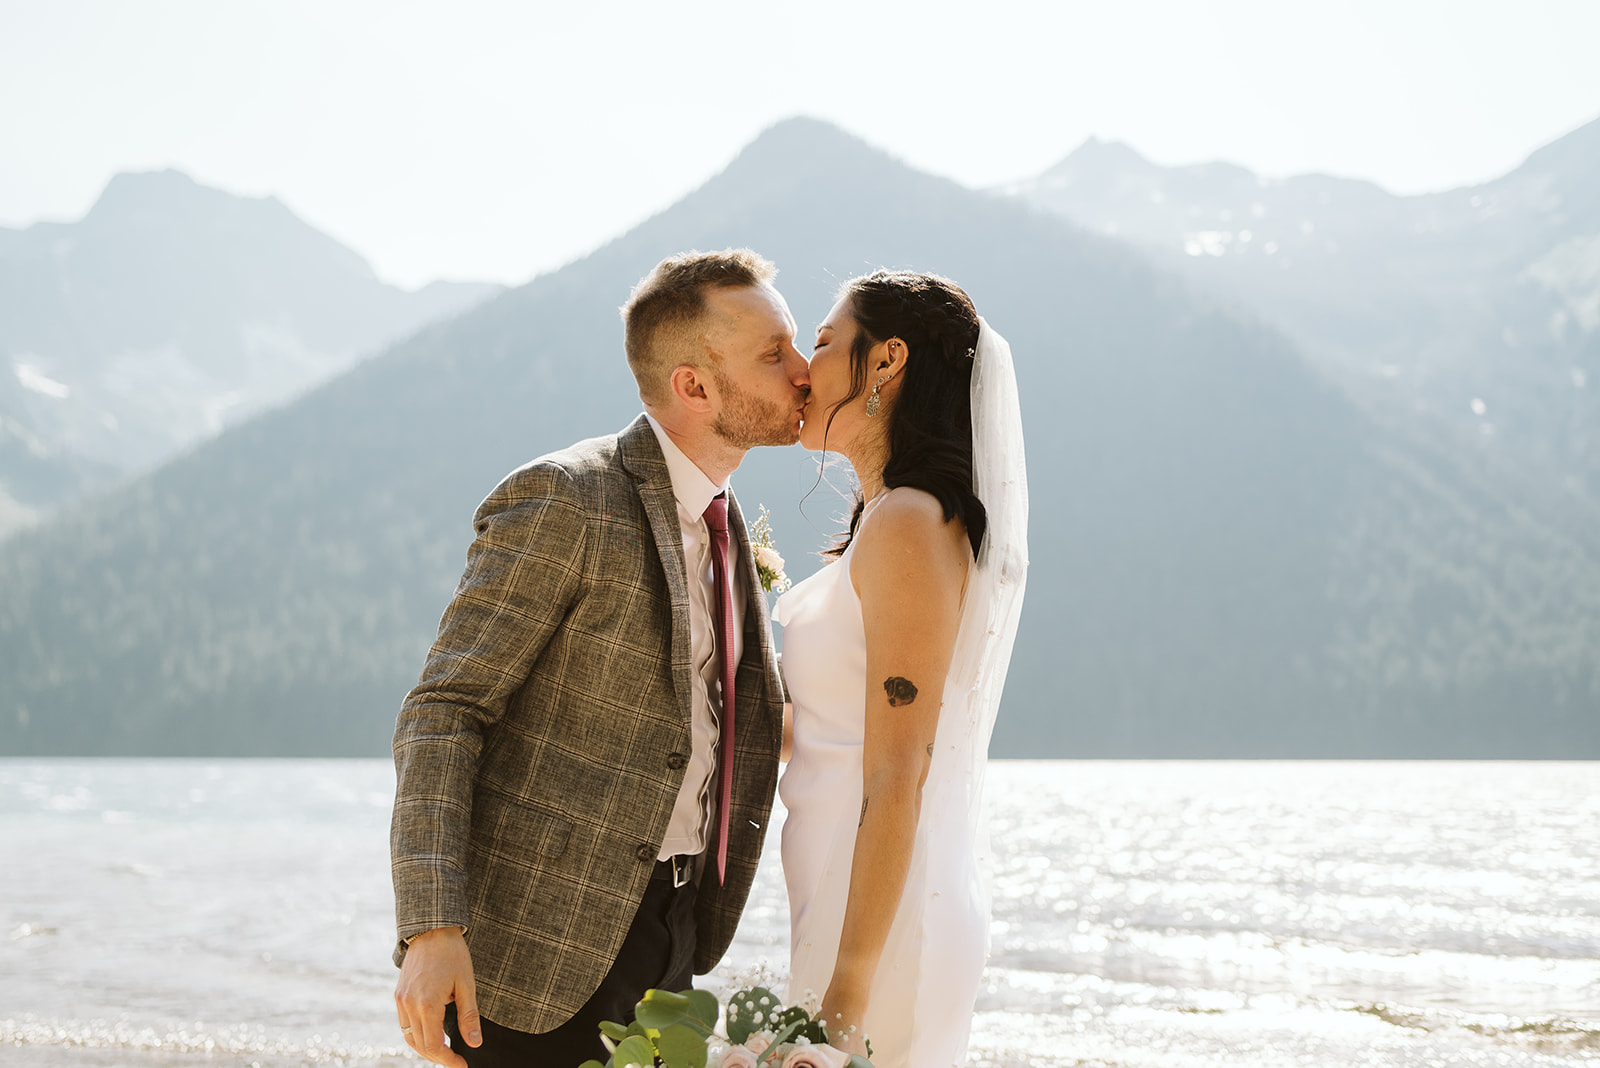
x: 870, y: 505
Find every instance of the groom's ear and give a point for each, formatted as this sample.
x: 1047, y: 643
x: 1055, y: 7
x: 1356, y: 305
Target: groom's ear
x: 691, y: 387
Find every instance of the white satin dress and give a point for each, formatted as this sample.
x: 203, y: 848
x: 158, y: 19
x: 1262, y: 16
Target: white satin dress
x: 920, y: 1012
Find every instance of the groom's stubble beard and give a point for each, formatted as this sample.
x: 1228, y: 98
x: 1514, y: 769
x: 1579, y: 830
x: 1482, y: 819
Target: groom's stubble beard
x: 747, y: 421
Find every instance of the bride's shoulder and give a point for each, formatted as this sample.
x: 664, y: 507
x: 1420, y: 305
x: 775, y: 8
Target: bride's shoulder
x: 907, y: 519
x: 907, y: 504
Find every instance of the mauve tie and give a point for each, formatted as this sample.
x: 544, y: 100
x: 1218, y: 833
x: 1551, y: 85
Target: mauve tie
x: 716, y: 517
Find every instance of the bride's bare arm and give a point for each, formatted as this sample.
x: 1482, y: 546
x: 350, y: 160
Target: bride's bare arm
x: 909, y: 567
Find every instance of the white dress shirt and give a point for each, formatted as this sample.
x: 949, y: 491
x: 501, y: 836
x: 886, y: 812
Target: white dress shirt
x: 691, y: 816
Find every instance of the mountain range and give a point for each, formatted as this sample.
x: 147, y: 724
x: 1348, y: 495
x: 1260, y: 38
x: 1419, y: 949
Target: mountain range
x: 1472, y: 315
x: 1233, y: 553
x: 167, y: 312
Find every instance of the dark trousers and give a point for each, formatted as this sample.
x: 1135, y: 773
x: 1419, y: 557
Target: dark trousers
x: 657, y: 952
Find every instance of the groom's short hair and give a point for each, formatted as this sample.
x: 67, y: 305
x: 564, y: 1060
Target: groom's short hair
x: 661, y: 318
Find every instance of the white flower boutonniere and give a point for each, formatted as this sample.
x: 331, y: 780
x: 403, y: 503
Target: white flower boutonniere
x: 769, y: 565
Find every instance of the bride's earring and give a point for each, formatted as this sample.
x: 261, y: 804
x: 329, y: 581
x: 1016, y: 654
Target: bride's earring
x: 875, y: 402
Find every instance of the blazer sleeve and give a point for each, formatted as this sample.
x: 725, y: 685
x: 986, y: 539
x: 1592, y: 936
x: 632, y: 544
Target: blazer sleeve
x: 524, y: 569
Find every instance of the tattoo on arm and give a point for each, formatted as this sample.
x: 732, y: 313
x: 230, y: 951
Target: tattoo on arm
x: 900, y: 691
x: 863, y: 818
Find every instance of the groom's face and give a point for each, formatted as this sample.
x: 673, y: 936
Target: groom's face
x: 760, y: 376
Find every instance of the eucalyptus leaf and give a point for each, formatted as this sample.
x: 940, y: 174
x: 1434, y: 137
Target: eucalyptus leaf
x: 614, y: 1031
x: 591, y: 1064
x: 635, y: 1049
x: 704, y: 1008
x: 694, y: 1009
x: 681, y: 1047
x: 858, y: 1061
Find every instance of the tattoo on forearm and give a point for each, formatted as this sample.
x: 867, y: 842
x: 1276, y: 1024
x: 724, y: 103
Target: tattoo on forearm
x: 930, y: 749
x: 900, y: 691
x: 863, y: 818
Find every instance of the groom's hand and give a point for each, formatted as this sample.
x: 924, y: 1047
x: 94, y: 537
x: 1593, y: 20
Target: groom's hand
x: 437, y: 970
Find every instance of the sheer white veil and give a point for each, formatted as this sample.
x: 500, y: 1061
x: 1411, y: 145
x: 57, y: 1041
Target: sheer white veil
x: 993, y: 602
x: 953, y: 794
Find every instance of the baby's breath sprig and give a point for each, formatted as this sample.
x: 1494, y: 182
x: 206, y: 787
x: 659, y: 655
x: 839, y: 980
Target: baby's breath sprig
x: 769, y: 564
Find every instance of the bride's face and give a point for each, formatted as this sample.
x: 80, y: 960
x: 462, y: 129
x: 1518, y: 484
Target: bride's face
x: 830, y: 384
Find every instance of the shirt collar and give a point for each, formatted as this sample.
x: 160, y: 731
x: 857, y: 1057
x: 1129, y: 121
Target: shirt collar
x: 690, y: 486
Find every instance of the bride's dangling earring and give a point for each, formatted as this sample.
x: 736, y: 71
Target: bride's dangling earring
x: 875, y: 402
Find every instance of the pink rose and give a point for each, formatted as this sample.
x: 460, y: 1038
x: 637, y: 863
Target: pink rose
x: 758, y: 1042
x: 738, y: 1057
x: 816, y: 1056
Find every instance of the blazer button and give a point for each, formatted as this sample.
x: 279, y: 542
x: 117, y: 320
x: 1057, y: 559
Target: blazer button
x: 644, y: 852
x: 676, y: 760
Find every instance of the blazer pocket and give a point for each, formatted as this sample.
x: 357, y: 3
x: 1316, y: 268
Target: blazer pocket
x: 551, y: 840
x: 516, y: 830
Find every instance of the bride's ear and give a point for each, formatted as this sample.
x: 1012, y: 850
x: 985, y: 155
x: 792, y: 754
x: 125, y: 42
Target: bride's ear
x: 891, y: 359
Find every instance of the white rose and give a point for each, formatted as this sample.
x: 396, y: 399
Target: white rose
x: 767, y: 557
x: 739, y: 1057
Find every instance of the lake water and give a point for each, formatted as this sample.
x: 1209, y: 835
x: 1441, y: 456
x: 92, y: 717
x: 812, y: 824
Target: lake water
x: 176, y: 912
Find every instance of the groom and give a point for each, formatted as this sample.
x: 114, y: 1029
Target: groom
x: 560, y: 841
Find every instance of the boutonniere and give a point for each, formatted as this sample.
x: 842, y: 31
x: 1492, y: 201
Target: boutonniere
x: 769, y: 565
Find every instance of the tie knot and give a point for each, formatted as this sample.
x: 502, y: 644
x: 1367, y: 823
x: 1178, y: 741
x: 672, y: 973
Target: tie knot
x: 716, y: 514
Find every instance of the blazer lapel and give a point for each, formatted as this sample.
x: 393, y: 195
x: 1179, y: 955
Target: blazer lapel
x: 642, y: 459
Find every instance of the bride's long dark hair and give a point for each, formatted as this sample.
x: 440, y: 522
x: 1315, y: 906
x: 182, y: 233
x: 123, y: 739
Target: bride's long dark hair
x: 929, y: 425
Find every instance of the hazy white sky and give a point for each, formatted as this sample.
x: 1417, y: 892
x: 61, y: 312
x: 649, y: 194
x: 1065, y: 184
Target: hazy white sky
x: 495, y: 140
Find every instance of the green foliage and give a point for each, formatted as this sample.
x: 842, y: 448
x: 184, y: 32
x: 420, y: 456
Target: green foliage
x: 637, y: 1049
x: 802, y: 1025
x: 671, y: 1029
x: 759, y: 1009
x: 681, y: 1047
x: 616, y: 1032
x: 692, y: 1009
x: 779, y: 1037
x: 747, y: 1012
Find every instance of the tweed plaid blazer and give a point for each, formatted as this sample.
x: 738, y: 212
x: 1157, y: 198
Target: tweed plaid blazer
x: 541, y: 752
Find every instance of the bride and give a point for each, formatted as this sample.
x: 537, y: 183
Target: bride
x: 895, y: 654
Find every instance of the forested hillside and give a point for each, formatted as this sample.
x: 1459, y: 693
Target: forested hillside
x: 1230, y: 555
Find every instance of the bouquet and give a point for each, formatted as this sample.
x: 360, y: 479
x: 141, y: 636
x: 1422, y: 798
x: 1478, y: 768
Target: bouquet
x: 680, y: 1031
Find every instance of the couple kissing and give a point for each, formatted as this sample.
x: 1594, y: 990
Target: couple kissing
x: 586, y: 768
